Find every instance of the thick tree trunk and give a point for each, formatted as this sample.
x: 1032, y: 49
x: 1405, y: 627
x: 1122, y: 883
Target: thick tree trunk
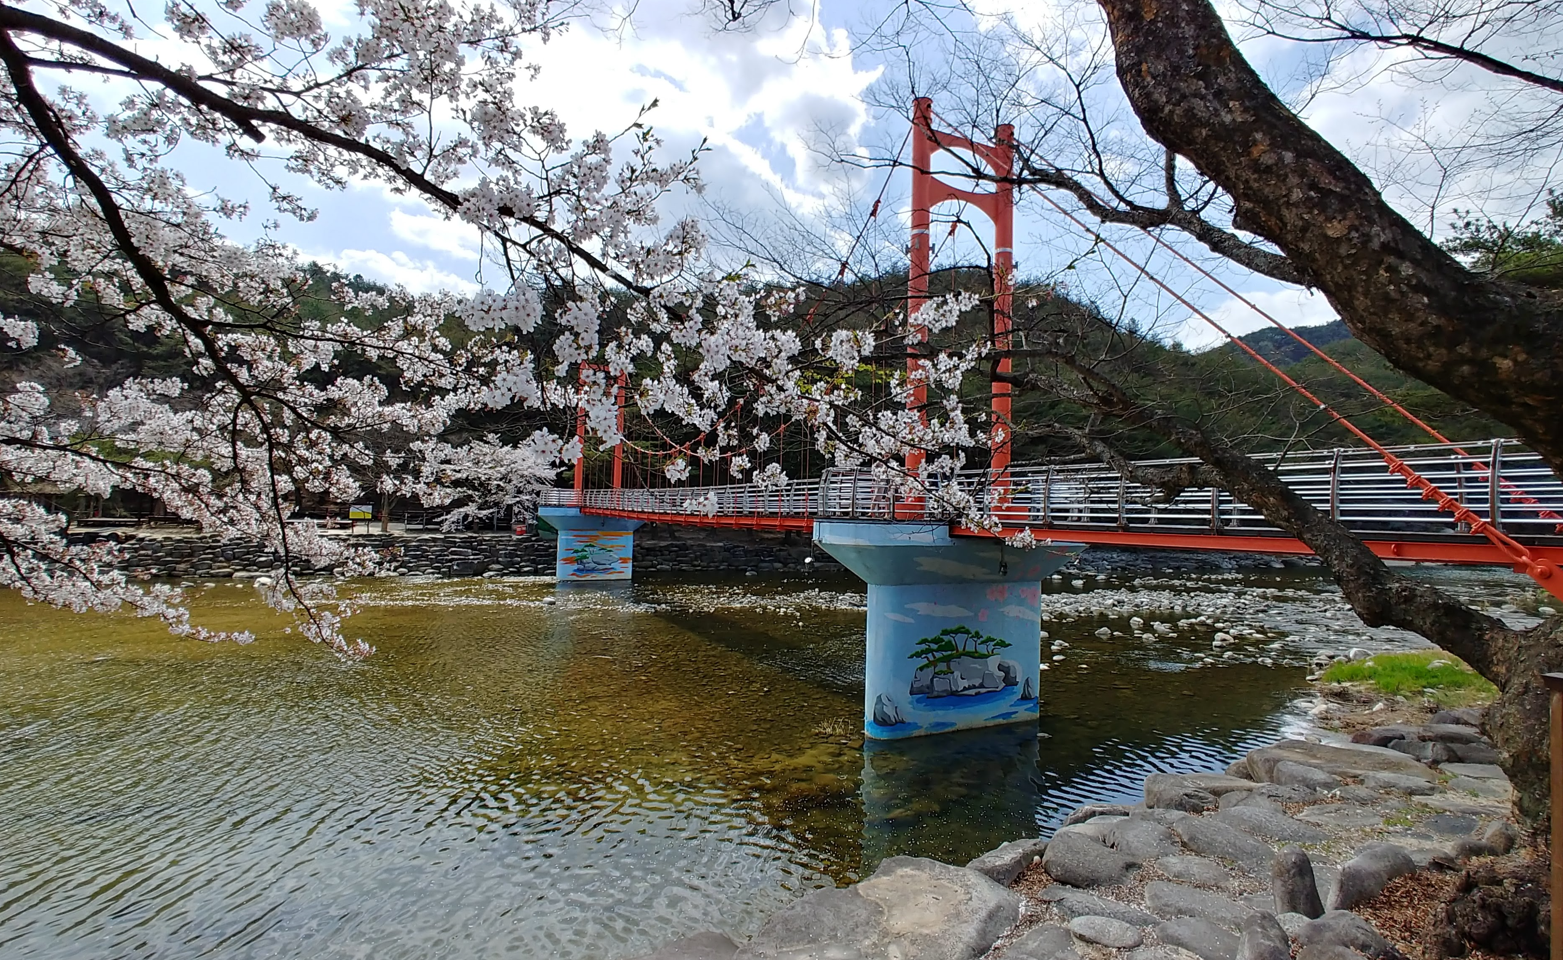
x: 1495, y: 345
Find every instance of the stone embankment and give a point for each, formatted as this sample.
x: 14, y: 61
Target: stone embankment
x: 1286, y: 851
x: 657, y: 548
x: 461, y: 554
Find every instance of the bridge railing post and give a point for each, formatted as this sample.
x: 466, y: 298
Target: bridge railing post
x: 1554, y: 682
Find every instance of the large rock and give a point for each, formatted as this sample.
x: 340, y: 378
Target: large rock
x: 1293, y: 886
x: 701, y: 946
x: 1463, y: 716
x: 1335, y: 761
x: 1399, y: 783
x: 1364, y: 876
x: 1004, y: 863
x: 1093, y: 810
x: 1289, y: 774
x: 1476, y: 753
x: 1048, y: 941
x: 1190, y: 792
x: 1176, y: 900
x: 1481, y: 771
x: 1271, y: 825
x: 1202, y: 938
x: 1341, y: 928
x: 1427, y: 751
x: 1077, y: 903
x: 1263, y: 939
x: 1106, y: 932
x: 910, y: 908
x: 1141, y: 840
x: 1341, y: 816
x: 1212, y: 838
x: 1199, y: 871
x: 1079, y: 861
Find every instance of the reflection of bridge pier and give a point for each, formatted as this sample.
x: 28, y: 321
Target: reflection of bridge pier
x: 591, y: 548
x: 953, y: 625
x: 910, y: 786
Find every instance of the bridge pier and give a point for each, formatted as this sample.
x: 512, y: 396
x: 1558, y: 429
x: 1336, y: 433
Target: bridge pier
x: 954, y: 625
x: 591, y: 548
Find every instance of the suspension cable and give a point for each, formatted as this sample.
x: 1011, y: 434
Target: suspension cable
x: 1540, y: 569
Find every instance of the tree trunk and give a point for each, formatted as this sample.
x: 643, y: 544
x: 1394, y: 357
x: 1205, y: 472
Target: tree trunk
x: 1495, y: 345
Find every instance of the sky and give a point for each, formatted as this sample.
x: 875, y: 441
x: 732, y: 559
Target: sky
x: 776, y: 101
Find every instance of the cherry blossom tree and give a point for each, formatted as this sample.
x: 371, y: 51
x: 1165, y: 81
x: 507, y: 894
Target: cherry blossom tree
x: 582, y: 284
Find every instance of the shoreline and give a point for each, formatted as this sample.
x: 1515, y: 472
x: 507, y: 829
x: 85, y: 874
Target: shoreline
x: 1321, y: 846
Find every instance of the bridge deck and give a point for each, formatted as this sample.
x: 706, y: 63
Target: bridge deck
x: 1092, y: 503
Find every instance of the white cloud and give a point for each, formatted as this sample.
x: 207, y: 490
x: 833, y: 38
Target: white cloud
x: 397, y: 268
x: 453, y: 237
x: 939, y: 610
x: 1021, y: 613
x: 899, y: 618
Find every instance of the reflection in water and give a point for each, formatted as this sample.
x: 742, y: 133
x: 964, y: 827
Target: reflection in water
x: 523, y: 771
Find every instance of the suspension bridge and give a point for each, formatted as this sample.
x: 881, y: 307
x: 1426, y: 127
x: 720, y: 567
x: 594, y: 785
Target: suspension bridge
x: 954, y: 607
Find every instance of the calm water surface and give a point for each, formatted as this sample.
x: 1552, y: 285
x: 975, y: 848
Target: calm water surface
x: 525, y: 773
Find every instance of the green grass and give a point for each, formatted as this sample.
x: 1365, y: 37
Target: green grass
x: 1410, y: 674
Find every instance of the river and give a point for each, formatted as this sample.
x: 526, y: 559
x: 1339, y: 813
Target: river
x: 524, y: 772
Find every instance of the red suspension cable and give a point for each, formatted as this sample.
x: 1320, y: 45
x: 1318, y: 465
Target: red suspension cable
x: 1543, y: 571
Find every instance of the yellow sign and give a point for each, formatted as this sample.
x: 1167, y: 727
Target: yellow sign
x: 361, y: 511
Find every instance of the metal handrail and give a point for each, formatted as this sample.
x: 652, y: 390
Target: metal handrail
x: 1514, y: 490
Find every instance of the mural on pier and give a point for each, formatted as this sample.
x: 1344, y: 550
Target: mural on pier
x: 951, y: 656
x: 594, y: 555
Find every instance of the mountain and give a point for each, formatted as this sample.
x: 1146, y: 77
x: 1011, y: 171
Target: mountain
x: 1280, y: 349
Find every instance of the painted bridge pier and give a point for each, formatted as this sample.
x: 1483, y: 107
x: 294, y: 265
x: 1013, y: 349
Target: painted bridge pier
x: 591, y: 548
x: 954, y: 625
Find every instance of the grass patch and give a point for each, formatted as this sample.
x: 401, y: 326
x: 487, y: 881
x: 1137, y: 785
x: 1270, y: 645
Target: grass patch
x: 1413, y: 674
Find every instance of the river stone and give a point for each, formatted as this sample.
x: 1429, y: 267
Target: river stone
x: 1092, y: 810
x: 1077, y: 903
x: 1336, y: 761
x: 1107, y: 932
x: 1327, y: 951
x: 1451, y: 824
x: 1008, y: 861
x: 1292, y: 884
x: 1480, y: 771
x: 1230, y: 800
x: 1096, y: 828
x: 911, y: 908
x: 1364, y: 876
x: 1496, y: 789
x: 1289, y: 774
x: 1079, y: 861
x: 701, y: 946
x: 1342, y: 928
x: 1199, y: 937
x: 1476, y: 753
x: 1341, y: 816
x: 1292, y: 923
x: 1271, y: 825
x: 1164, y: 817
x: 1173, y: 795
x: 1196, y: 870
x: 1398, y: 783
x: 1170, y: 900
x: 1213, y: 838
x: 1046, y: 942
x: 1427, y: 751
x: 1450, y: 733
x: 1158, y: 951
x: 1263, y: 939
x: 1463, y: 716
x: 1141, y: 840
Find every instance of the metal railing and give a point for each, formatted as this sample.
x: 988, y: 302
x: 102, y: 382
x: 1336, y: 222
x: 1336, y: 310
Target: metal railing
x: 1500, y: 481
